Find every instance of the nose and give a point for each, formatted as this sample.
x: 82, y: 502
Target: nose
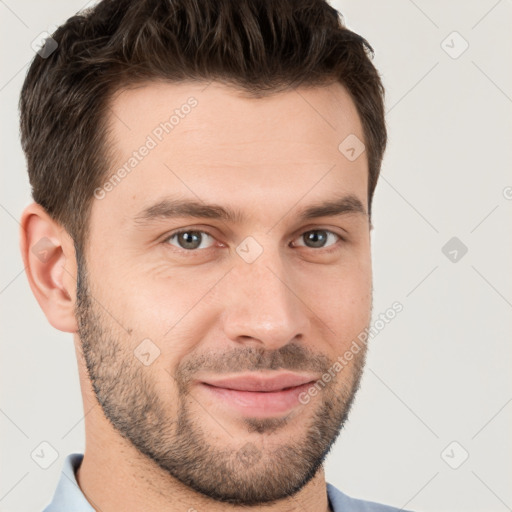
x: 264, y: 308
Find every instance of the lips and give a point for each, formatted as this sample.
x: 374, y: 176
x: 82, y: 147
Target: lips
x: 261, y: 383
x: 257, y: 394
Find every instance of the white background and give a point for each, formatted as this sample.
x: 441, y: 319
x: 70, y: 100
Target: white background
x: 439, y: 372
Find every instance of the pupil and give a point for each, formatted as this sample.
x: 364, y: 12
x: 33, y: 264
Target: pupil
x: 316, y: 238
x: 190, y: 240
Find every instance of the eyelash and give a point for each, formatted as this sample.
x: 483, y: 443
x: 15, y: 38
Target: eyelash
x: 325, y: 250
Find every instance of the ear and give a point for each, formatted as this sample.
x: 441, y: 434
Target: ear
x: 50, y: 264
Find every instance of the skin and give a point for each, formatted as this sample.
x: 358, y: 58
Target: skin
x: 155, y: 440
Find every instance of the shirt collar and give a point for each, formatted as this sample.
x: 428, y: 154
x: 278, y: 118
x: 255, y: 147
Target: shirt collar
x: 68, y: 495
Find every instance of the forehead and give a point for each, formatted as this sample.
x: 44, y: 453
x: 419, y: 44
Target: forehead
x: 219, y: 111
x: 206, y: 141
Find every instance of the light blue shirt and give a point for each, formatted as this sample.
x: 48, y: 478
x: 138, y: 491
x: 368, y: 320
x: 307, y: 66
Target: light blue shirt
x: 69, y: 498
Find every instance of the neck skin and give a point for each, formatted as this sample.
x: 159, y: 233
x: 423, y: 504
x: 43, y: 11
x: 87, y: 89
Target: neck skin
x: 114, y: 475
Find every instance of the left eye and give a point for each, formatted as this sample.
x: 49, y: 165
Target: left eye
x: 191, y: 240
x: 318, y: 238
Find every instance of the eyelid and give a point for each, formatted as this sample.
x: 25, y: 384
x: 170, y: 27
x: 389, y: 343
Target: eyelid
x: 320, y: 227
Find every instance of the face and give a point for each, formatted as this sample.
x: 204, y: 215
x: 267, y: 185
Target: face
x: 227, y: 270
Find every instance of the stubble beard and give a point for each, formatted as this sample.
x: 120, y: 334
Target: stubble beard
x: 242, y: 473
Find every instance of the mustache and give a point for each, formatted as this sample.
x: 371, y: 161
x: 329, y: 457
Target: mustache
x: 293, y: 356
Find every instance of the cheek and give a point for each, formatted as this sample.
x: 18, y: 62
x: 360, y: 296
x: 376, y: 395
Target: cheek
x: 174, y: 311
x: 341, y: 297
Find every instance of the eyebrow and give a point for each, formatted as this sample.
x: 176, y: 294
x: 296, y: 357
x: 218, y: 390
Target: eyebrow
x: 168, y: 208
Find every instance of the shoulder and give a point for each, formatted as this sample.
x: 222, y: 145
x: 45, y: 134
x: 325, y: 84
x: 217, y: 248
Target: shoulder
x: 341, y: 502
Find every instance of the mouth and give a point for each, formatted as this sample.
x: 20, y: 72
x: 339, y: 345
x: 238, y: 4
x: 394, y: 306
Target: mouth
x: 258, y: 395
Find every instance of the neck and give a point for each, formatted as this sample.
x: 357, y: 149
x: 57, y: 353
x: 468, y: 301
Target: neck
x: 114, y: 476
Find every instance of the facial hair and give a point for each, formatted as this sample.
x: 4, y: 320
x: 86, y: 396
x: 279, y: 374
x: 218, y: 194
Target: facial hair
x: 250, y: 473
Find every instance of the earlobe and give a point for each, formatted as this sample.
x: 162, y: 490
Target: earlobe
x: 49, y: 258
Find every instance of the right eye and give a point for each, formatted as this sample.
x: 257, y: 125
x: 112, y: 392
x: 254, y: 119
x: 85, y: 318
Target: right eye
x: 190, y: 240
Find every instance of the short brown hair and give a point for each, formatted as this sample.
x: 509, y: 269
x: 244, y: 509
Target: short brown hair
x: 259, y: 46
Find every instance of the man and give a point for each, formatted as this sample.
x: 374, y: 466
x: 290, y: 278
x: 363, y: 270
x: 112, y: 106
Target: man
x: 203, y: 175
